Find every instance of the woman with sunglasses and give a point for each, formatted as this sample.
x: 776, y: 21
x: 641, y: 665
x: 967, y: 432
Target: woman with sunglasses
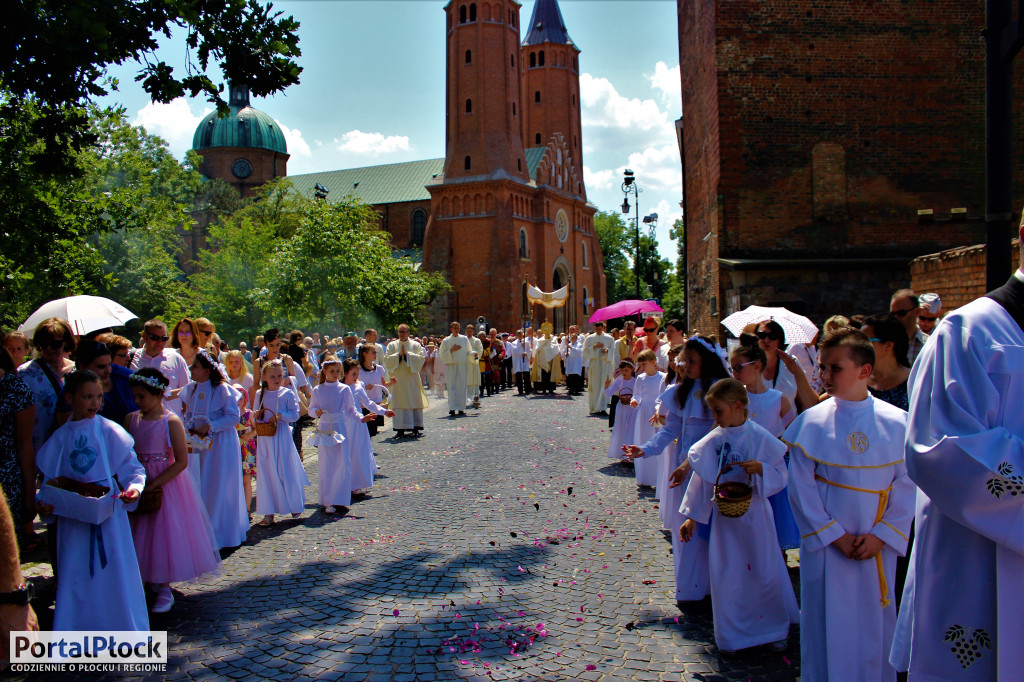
x: 52, y: 339
x: 781, y: 371
x: 889, y: 375
x: 652, y: 342
x: 185, y: 339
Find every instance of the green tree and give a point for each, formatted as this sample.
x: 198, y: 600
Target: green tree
x: 611, y: 235
x: 338, y: 269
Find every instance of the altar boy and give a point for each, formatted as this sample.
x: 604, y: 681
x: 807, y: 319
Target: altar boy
x: 854, y: 503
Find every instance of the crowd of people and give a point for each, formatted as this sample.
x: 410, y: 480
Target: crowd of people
x: 753, y: 447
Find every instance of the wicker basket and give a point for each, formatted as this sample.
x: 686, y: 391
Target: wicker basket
x: 732, y: 497
x: 265, y: 429
x: 625, y: 396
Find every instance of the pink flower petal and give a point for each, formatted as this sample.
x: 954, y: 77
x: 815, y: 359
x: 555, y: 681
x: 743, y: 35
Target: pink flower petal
x: 395, y: 613
x: 591, y: 666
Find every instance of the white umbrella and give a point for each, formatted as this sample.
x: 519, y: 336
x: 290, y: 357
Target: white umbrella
x: 84, y: 313
x: 798, y: 328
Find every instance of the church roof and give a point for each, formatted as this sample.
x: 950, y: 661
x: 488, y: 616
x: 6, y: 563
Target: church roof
x: 243, y: 127
x: 533, y: 157
x: 391, y: 183
x: 547, y: 25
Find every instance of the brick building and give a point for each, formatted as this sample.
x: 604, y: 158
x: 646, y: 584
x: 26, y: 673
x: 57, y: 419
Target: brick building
x: 507, y: 205
x: 812, y: 135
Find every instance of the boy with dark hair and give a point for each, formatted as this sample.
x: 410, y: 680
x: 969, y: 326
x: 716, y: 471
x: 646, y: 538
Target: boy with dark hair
x: 854, y: 503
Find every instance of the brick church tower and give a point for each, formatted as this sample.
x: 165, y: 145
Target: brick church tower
x: 504, y: 214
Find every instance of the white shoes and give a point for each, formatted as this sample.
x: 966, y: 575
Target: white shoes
x: 164, y: 600
x: 330, y: 510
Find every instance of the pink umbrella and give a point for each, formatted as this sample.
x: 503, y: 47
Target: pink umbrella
x: 624, y: 308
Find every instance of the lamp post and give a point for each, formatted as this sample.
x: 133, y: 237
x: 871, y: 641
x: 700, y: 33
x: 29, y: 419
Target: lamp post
x: 629, y: 186
x: 651, y: 221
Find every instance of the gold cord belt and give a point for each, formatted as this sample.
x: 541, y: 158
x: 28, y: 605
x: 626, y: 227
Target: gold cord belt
x: 883, y: 502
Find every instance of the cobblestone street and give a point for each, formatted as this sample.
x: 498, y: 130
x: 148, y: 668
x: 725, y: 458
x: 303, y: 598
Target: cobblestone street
x: 500, y: 545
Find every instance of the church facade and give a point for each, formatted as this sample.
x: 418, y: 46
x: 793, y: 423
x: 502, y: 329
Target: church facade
x: 507, y: 205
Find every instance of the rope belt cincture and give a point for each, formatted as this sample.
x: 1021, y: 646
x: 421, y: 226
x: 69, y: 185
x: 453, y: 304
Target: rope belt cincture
x: 883, y: 503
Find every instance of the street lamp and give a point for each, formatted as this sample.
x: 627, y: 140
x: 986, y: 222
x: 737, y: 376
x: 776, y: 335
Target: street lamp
x: 629, y: 186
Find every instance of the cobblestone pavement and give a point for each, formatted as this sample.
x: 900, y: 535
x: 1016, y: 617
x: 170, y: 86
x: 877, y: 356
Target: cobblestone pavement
x: 503, y: 545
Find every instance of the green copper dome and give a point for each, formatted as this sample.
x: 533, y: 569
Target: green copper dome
x: 243, y: 127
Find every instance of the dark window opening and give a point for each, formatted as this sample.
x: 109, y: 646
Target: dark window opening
x: 522, y: 244
x: 540, y: 58
x: 537, y: 139
x: 513, y: 108
x: 419, y: 226
x: 536, y: 96
x: 462, y: 14
x: 472, y: 12
x: 533, y: 59
x: 469, y: 106
x: 469, y: 56
x: 467, y: 163
x: 519, y: 164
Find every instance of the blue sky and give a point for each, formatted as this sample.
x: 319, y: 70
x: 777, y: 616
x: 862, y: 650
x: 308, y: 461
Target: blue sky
x: 372, y: 91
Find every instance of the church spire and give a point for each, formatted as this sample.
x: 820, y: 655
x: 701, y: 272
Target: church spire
x: 238, y: 95
x: 547, y: 25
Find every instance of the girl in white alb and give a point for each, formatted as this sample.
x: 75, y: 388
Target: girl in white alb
x: 625, y: 413
x: 649, y: 385
x: 332, y: 404
x: 357, y: 436
x: 282, y: 478
x: 751, y: 595
x: 210, y: 408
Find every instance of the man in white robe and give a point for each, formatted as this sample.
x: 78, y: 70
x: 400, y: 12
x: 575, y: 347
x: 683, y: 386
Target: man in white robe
x: 453, y: 353
x: 961, y: 613
x: 572, y: 351
x: 597, y: 349
x: 522, y: 353
x: 403, y: 360
x: 476, y: 351
x: 853, y: 503
x: 547, y: 363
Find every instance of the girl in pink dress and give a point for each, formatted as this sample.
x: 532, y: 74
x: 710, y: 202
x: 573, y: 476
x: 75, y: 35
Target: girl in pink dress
x: 176, y: 543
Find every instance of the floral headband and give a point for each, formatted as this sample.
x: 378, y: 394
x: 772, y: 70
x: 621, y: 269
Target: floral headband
x: 333, y: 361
x: 704, y: 343
x: 153, y: 382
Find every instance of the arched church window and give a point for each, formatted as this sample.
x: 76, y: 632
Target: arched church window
x: 469, y: 56
x: 467, y: 163
x: 519, y: 164
x: 523, y: 252
x: 583, y: 253
x: 537, y: 138
x: 462, y: 14
x: 513, y: 108
x: 540, y: 58
x: 419, y: 226
x: 512, y: 60
x: 586, y: 298
x: 469, y: 106
x: 533, y: 59
x: 536, y: 96
x: 472, y: 12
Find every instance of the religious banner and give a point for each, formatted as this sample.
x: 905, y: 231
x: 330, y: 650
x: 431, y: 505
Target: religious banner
x: 555, y: 299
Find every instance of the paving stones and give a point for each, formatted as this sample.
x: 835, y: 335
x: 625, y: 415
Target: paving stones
x: 503, y: 545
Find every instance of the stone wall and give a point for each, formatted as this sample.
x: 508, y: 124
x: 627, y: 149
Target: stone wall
x: 956, y: 275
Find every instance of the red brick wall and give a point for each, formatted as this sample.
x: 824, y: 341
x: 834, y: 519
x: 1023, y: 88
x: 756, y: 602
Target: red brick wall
x: 397, y: 220
x: 266, y: 164
x: 821, y: 129
x: 956, y: 275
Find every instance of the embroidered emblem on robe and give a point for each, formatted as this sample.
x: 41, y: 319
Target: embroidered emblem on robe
x: 858, y: 442
x: 967, y: 647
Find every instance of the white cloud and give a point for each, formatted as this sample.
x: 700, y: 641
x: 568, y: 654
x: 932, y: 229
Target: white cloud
x: 604, y: 107
x: 358, y: 142
x: 174, y: 122
x: 601, y: 180
x: 296, y: 145
x: 666, y: 81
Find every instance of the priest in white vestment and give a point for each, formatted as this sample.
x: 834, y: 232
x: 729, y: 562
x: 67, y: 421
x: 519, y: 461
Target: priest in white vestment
x: 961, y: 616
x: 453, y: 353
x: 404, y: 359
x: 596, y: 349
x: 476, y: 351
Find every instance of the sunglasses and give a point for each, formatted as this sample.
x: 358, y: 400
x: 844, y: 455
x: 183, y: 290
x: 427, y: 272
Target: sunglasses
x: 206, y: 332
x: 157, y: 337
x: 736, y: 369
x: 650, y: 329
x: 903, y: 313
x: 922, y: 318
x: 774, y: 336
x: 55, y: 344
x: 184, y: 332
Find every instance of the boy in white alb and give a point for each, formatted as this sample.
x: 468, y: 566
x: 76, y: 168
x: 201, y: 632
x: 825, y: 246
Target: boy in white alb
x: 853, y: 503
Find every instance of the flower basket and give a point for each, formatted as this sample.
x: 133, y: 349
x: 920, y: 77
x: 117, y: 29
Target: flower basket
x: 85, y: 502
x: 625, y: 396
x: 732, y: 497
x: 265, y: 429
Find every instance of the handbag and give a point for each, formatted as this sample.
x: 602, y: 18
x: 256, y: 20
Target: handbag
x: 150, y: 501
